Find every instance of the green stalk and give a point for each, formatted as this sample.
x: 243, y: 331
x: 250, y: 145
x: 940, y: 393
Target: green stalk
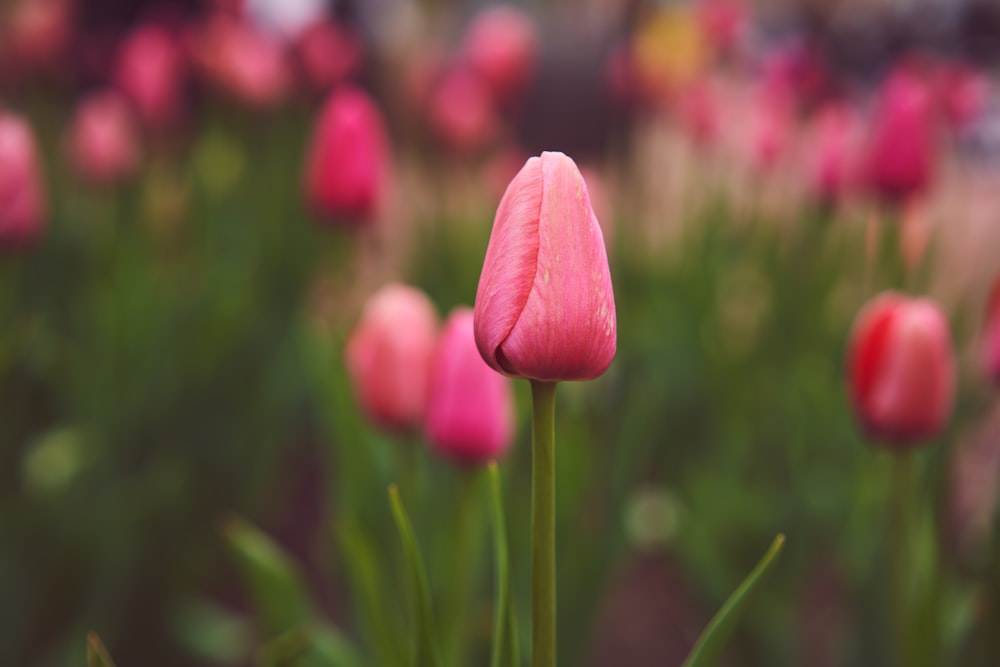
x: 466, y: 537
x: 900, y: 565
x: 543, y: 525
x: 505, y: 648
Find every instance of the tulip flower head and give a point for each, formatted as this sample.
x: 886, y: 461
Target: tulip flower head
x: 389, y: 355
x: 501, y: 45
x: 545, y: 308
x: 150, y: 70
x: 991, y: 334
x: 470, y: 414
x: 901, y: 367
x: 348, y: 158
x: 22, y: 200
x: 103, y: 144
x: 461, y: 111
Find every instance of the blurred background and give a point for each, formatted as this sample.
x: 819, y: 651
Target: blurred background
x: 175, y: 299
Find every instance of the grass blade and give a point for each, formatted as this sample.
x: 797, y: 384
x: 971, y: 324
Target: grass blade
x: 709, y: 645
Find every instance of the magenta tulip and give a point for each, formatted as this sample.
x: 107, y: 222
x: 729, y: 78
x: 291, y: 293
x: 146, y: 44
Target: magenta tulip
x: 389, y: 355
x: 348, y: 159
x: 545, y: 308
x: 150, y: 70
x: 901, y: 369
x: 103, y: 141
x: 901, y: 149
x: 22, y: 200
x: 470, y: 410
x: 461, y: 111
x: 991, y: 334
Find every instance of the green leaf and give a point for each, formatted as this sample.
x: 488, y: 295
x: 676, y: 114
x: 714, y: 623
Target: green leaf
x: 709, y: 645
x: 97, y: 655
x: 310, y: 645
x: 427, y: 653
x: 505, y: 649
x: 279, y: 596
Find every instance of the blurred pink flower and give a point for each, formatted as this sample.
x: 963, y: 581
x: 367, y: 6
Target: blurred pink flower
x: 103, y: 143
x: 501, y: 45
x: 389, y: 355
x: 901, y: 369
x: 244, y: 62
x: 327, y: 54
x: 697, y: 112
x: 963, y: 91
x: 470, y: 409
x: 37, y: 34
x: 545, y: 307
x: 832, y: 153
x: 901, y: 153
x: 461, y: 111
x: 723, y: 22
x: 348, y: 160
x: 22, y: 199
x: 151, y: 70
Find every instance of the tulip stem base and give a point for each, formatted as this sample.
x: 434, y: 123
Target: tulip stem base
x: 899, y: 532
x: 543, y: 525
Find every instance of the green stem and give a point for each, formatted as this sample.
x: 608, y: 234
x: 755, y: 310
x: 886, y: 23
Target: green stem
x: 900, y: 508
x: 543, y: 525
x: 466, y: 537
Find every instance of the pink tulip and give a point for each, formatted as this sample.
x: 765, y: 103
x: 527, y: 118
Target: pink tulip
x: 461, y: 111
x: 103, y: 145
x: 150, y: 70
x: 697, y: 110
x: 501, y: 45
x: 37, y: 36
x: 327, y: 54
x: 347, y: 165
x: 991, y: 334
x: 22, y: 200
x: 901, y: 369
x: 545, y: 308
x: 964, y: 93
x: 389, y: 356
x: 470, y: 409
x: 244, y: 62
x: 901, y: 156
x: 723, y: 21
x: 833, y: 154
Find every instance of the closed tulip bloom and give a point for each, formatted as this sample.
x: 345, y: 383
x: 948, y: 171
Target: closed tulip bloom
x: 501, y: 45
x: 22, y: 200
x: 461, y: 112
x: 151, y: 70
x: 545, y: 308
x: 389, y: 355
x: 327, y: 54
x: 834, y: 153
x: 991, y: 334
x: 348, y: 158
x: 470, y: 414
x: 103, y: 145
x: 901, y: 366
x: 901, y: 155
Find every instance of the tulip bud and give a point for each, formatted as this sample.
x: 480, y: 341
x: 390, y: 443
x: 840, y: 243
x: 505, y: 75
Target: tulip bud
x: 327, y: 54
x: 501, y: 45
x: 470, y: 409
x: 150, y: 71
x: 545, y: 308
x: 389, y: 355
x: 833, y: 153
x: 347, y: 163
x: 900, y: 161
x: 102, y: 143
x: 461, y: 112
x: 991, y: 334
x: 22, y: 202
x: 901, y: 367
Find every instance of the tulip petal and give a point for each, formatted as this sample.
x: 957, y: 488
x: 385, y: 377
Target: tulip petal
x: 567, y: 329
x: 511, y: 262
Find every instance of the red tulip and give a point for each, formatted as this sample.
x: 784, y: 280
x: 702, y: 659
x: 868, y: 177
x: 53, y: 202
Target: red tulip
x: 470, y: 411
x: 991, y: 334
x: 389, y: 356
x: 348, y: 158
x: 103, y: 145
x: 901, y: 156
x: 150, y: 70
x: 501, y: 45
x: 22, y: 200
x: 545, y: 308
x: 901, y: 367
x: 461, y: 111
